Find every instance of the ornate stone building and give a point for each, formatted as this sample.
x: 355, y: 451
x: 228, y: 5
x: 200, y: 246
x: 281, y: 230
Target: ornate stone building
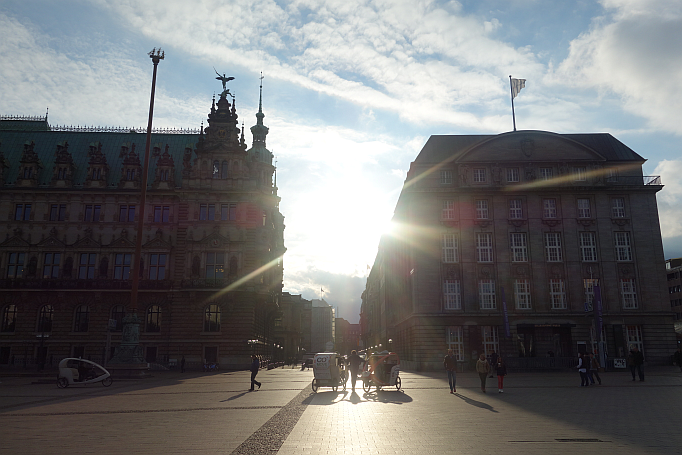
x: 500, y: 243
x: 211, y: 263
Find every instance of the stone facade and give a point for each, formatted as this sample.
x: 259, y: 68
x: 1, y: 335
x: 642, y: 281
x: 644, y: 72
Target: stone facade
x: 532, y: 221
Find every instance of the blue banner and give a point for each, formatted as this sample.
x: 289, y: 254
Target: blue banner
x: 598, y: 313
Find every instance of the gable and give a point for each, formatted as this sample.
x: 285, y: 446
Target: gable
x: 157, y: 243
x: 122, y: 243
x: 86, y: 242
x: 14, y: 242
x: 51, y: 242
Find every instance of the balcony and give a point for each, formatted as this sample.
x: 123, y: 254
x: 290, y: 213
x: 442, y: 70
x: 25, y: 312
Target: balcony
x: 634, y: 180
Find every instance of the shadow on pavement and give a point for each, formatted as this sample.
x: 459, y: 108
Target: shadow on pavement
x: 473, y: 402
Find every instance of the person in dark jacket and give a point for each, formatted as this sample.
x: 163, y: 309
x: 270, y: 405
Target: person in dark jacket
x: 255, y: 366
x: 678, y: 358
x: 636, y: 362
x: 582, y: 369
x: 450, y: 364
x: 182, y: 364
x: 594, y: 368
x: 493, y: 362
x: 354, y: 362
x: 501, y: 370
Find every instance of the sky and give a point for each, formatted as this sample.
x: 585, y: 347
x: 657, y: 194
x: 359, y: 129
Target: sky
x: 352, y: 90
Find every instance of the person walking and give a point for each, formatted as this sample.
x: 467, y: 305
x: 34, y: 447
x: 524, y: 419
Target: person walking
x: 483, y: 368
x: 354, y: 362
x: 501, y: 370
x: 182, y: 364
x: 594, y: 368
x: 582, y: 369
x: 678, y: 358
x: 255, y: 366
x: 587, y: 357
x: 636, y: 362
x: 450, y: 364
x: 493, y: 362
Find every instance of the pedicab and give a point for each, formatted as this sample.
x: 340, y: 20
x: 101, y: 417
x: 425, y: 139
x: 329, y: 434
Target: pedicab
x: 80, y: 371
x: 382, y: 369
x: 329, y: 369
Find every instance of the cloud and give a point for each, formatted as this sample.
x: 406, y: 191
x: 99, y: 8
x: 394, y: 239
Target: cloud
x: 670, y: 198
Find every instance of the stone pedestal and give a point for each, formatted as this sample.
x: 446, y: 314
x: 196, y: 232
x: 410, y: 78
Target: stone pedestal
x: 128, y: 361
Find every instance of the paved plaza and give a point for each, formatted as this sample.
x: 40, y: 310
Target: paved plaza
x: 214, y: 413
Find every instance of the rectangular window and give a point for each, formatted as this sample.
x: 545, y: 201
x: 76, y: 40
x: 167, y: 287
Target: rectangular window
x: 22, y: 212
x: 122, y: 266
x: 557, y: 294
x: 623, y: 249
x: 584, y: 208
x: 157, y: 266
x: 486, y: 294
x: 161, y: 213
x: 515, y: 209
x: 553, y: 247
x: 513, y: 174
x: 451, y: 295
x: 57, y: 212
x: 450, y: 247
x: 519, y: 247
x: 546, y: 173
x: 618, y: 207
x: 549, y: 208
x: 634, y: 334
x: 522, y: 294
x: 446, y: 177
x: 484, y: 247
x: 207, y: 212
x: 588, y: 246
x: 448, y: 210
x: 627, y: 291
x: 580, y: 173
x: 92, y: 213
x: 481, y: 209
x: 588, y: 286
x: 86, y: 266
x: 15, y: 265
x: 490, y: 339
x: 455, y: 341
x: 479, y: 175
x: 215, y: 266
x: 126, y: 213
x: 228, y: 212
x: 51, y: 265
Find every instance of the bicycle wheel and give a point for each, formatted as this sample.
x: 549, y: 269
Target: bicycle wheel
x: 366, y: 386
x: 398, y: 383
x: 315, y: 386
x: 62, y: 383
x: 106, y: 382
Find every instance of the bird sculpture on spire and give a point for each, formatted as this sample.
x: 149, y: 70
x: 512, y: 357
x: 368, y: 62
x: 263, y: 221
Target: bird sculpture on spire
x: 224, y: 79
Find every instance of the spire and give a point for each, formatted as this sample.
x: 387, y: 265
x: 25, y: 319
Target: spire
x: 259, y: 131
x: 260, y: 115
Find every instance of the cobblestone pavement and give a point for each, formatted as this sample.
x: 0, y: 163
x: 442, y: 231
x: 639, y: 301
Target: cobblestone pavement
x: 175, y: 413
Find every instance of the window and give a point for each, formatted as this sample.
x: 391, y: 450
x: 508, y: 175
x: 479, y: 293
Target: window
x: 61, y: 173
x: 484, y: 247
x: 51, y: 265
x: 557, y: 294
x: 212, y: 318
x: 481, y: 209
x: 216, y: 169
x: 15, y: 265
x: 588, y: 247
x: 28, y: 172
x: 224, y: 170
x: 546, y: 173
x: 163, y: 175
x: 634, y: 334
x: 153, y: 320
x: 126, y: 213
x: 580, y: 173
x: 130, y: 174
x: 86, y: 266
x: 623, y: 250
x: 515, y: 209
x: 92, y: 213
x: 161, y: 213
x: 628, y: 294
x: 553, y: 247
x: 549, y: 208
x: 490, y: 339
x: 22, y: 212
x: 486, y: 294
x: 118, y: 312
x: 215, y: 266
x: 512, y: 174
x: 45, y: 317
x: 455, y: 341
x: 522, y: 294
x: 519, y: 248
x: 97, y: 173
x: 479, y: 175
x: 446, y: 177
x: 588, y: 286
x: 584, y: 208
x: 157, y: 266
x: 451, y: 294
x: 57, y: 212
x: 80, y: 323
x: 448, y: 210
x: 122, y: 266
x: 207, y: 212
x: 9, y: 319
x: 450, y: 247
x: 228, y: 212
x: 618, y: 207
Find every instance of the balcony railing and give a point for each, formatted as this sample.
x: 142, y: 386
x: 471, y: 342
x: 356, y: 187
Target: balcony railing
x: 634, y: 180
x: 37, y: 283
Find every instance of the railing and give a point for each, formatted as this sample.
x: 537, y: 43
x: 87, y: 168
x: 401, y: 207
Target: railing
x: 206, y: 283
x: 30, y: 118
x: 122, y: 129
x: 634, y: 180
x: 29, y: 283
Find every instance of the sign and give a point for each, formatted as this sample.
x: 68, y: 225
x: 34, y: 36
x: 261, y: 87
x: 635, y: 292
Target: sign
x: 321, y: 366
x: 619, y: 363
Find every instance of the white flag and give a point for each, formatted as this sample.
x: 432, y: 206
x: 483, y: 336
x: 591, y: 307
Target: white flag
x: 517, y: 85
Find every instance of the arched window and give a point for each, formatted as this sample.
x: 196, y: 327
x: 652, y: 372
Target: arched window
x: 45, y: 319
x: 224, y: 170
x: 216, y: 169
x: 117, y: 314
x: 212, y: 318
x: 153, y: 321
x: 82, y: 318
x: 9, y: 318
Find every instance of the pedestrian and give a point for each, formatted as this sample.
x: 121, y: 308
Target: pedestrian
x: 493, y: 362
x: 587, y: 357
x: 594, y: 368
x: 678, y: 358
x: 354, y: 362
x: 483, y: 368
x: 582, y: 369
x: 255, y: 365
x: 450, y: 364
x: 182, y: 364
x: 501, y: 369
x: 636, y: 362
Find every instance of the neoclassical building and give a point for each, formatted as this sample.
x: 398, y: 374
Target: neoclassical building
x: 212, y: 246
x: 500, y: 242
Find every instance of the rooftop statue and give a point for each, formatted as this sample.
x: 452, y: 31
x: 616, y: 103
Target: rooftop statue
x: 224, y: 79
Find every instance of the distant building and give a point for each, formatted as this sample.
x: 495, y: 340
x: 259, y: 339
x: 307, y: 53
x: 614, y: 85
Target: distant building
x: 322, y: 326
x: 347, y: 336
x: 292, y: 328
x: 673, y: 268
x: 500, y: 243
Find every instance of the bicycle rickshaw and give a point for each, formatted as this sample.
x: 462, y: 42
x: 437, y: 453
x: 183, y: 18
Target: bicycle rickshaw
x: 80, y: 371
x: 329, y: 369
x: 382, y: 369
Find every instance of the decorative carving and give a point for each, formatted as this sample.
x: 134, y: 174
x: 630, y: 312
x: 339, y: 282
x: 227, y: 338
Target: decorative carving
x: 527, y: 146
x: 551, y: 223
x: 516, y: 223
x: 483, y: 223
x: 586, y: 222
x: 497, y: 174
x: 620, y: 221
x: 529, y: 173
x: 464, y: 174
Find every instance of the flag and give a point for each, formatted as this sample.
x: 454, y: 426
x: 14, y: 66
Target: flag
x: 517, y: 85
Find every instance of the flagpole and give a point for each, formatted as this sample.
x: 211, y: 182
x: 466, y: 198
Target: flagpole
x: 511, y: 91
